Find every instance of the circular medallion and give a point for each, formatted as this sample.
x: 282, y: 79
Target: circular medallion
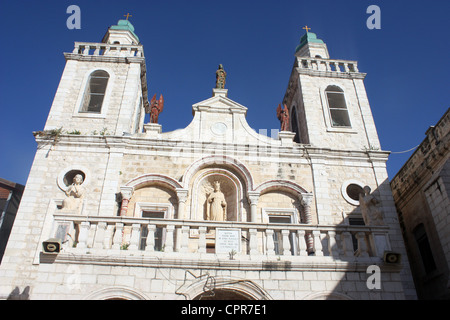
x: 219, y: 128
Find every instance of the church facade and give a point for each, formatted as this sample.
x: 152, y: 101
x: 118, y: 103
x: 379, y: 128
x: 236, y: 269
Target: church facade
x: 115, y: 208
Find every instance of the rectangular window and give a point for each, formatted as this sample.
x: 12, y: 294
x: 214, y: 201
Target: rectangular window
x: 159, y: 232
x: 277, y: 236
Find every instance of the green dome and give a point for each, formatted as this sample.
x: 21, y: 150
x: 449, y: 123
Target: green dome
x: 125, y: 25
x: 308, y: 37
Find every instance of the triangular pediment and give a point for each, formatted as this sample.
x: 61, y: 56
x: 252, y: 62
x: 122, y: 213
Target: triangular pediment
x: 219, y: 103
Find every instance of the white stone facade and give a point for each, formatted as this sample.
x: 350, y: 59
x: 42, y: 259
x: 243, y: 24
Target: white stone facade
x: 142, y: 233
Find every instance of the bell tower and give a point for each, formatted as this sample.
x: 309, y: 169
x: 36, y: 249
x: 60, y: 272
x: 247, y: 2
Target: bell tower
x: 103, y: 88
x: 327, y: 100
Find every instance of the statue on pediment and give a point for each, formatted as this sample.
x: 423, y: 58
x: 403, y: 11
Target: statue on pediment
x: 283, y: 116
x: 156, y: 107
x: 221, y: 76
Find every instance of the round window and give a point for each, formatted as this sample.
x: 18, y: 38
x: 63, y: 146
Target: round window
x: 68, y: 177
x: 351, y: 189
x: 354, y: 190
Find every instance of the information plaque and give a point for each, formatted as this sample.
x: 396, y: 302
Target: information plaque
x: 228, y: 240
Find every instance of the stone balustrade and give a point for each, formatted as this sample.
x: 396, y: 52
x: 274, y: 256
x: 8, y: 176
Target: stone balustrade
x: 104, y: 49
x: 149, y: 236
x: 319, y: 64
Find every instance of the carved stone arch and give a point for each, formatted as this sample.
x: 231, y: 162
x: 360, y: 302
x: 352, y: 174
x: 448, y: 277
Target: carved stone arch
x: 159, y: 181
x: 303, y: 197
x: 116, y: 293
x: 206, y: 285
x: 327, y: 296
x: 219, y: 161
x: 152, y: 178
x: 231, y: 186
x: 281, y: 184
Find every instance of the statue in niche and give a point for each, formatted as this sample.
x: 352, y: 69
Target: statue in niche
x: 221, y: 76
x: 216, y: 206
x: 75, y: 194
x: 283, y: 116
x: 372, y: 215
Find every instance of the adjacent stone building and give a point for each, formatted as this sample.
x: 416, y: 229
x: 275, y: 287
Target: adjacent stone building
x: 10, y: 196
x: 421, y: 192
x: 115, y: 208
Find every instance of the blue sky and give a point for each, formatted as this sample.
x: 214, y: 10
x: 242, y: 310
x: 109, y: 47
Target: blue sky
x: 407, y: 61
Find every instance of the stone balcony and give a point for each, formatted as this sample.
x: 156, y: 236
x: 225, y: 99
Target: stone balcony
x: 104, y: 49
x: 329, y: 67
x: 146, y: 241
x: 90, y: 51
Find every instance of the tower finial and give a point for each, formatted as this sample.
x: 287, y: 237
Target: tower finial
x: 306, y: 28
x: 127, y: 15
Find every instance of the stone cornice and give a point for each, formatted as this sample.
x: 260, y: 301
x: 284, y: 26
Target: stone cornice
x: 332, y: 74
x: 112, y: 59
x: 142, y: 144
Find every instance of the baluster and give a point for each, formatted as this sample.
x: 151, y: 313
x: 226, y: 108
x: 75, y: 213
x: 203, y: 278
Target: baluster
x: 336, y: 65
x: 346, y: 67
x: 253, y: 233
x: 184, y: 239
x: 333, y: 249
x: 202, y: 240
x: 302, y: 247
x: 86, y: 50
x: 270, y: 245
x: 118, y: 236
x: 168, y: 246
x: 347, y: 244
x: 134, y: 239
x: 308, y: 63
x: 97, y: 50
x: 286, y: 242
x: 362, y: 245
x: 76, y: 49
x: 107, y: 50
x: 150, y: 243
x: 107, y: 241
x: 83, y: 236
x: 317, y: 243
x: 100, y: 235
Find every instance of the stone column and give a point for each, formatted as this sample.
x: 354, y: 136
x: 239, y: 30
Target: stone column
x: 306, y: 201
x: 253, y: 198
x: 182, y: 195
x: 126, y: 192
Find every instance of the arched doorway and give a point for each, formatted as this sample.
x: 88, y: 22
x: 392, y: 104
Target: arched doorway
x: 223, y: 294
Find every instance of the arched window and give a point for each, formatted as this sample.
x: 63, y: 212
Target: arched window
x: 294, y: 124
x: 95, y: 92
x: 337, y: 107
x: 420, y: 235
